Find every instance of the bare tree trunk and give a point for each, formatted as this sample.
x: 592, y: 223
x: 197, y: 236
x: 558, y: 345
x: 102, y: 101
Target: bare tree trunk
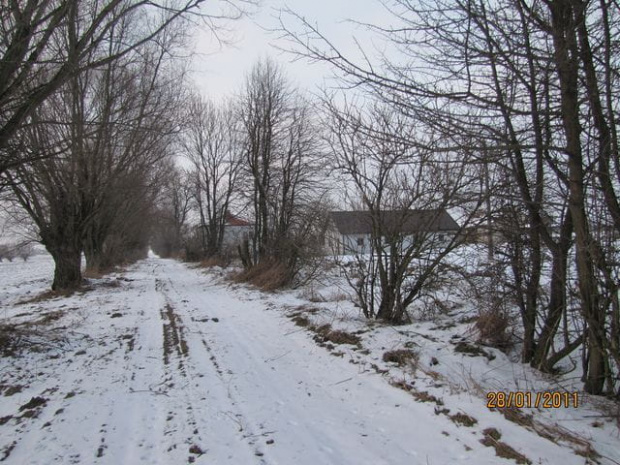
x: 565, y: 18
x: 94, y: 239
x: 557, y: 299
x: 67, y: 271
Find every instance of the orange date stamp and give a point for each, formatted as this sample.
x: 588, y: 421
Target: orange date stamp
x: 529, y: 399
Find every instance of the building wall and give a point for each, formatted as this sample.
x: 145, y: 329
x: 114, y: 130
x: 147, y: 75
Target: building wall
x: 235, y: 235
x: 359, y: 244
x: 353, y: 244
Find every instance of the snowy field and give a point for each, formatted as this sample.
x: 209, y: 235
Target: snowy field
x: 168, y: 364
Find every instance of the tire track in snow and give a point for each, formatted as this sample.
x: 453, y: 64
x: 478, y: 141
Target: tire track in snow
x: 175, y: 347
x: 224, y: 337
x: 175, y: 351
x: 246, y: 428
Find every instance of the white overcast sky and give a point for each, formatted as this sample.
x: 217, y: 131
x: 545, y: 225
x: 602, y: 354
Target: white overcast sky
x: 220, y: 71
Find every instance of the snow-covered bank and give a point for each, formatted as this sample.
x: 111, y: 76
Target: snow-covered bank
x: 164, y: 364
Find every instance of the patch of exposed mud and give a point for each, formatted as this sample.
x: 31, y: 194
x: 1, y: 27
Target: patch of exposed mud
x: 174, y: 337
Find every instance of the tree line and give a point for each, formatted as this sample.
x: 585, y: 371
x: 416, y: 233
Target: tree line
x: 257, y: 156
x: 89, y: 94
x: 97, y: 111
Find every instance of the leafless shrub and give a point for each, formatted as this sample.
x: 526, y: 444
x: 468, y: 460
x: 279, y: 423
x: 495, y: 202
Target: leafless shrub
x: 25, y: 251
x: 8, y: 252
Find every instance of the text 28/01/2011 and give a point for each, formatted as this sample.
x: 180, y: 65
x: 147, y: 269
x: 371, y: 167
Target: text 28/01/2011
x: 528, y: 399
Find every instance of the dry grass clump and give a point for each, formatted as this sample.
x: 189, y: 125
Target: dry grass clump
x: 300, y: 315
x: 322, y: 330
x: 312, y: 295
x: 33, y: 403
x: 517, y: 416
x: 338, y: 296
x: 7, y: 341
x: 342, y: 337
x: 493, y: 329
x: 10, y: 390
x: 401, y: 357
x: 588, y: 452
x: 267, y: 276
x: 554, y: 433
x: 214, y: 261
x: 463, y: 419
x: 492, y: 439
x: 45, y: 296
x: 93, y: 273
x: 325, y: 334
x: 424, y: 396
x: 401, y: 383
x: 300, y: 320
x: 472, y: 350
x: 420, y: 396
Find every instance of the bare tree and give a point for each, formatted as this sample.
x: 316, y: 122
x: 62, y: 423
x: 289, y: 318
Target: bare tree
x: 174, y: 205
x: 131, y: 134
x: 262, y: 109
x: 283, y: 158
x: 211, y: 141
x: 405, y: 192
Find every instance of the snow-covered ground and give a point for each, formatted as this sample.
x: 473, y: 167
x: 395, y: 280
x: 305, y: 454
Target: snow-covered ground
x: 168, y: 364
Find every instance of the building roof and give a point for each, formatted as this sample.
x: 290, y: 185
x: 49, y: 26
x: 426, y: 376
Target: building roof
x: 232, y: 220
x: 404, y: 221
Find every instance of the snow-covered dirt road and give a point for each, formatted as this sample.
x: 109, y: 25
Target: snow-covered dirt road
x: 168, y: 365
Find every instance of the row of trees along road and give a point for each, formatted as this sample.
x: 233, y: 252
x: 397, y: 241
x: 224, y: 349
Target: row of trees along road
x: 531, y: 90
x: 260, y: 153
x: 89, y: 95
